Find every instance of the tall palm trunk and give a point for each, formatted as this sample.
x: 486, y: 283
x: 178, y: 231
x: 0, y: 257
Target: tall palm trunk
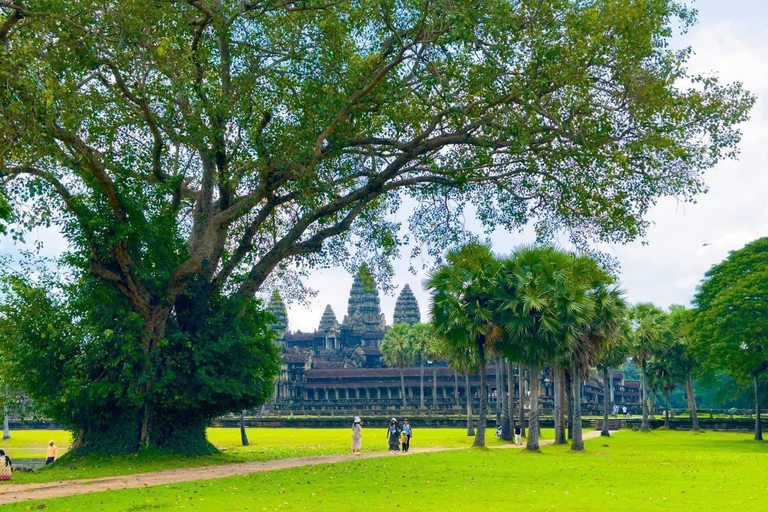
x: 666, y: 408
x: 243, y: 435
x: 532, y: 444
x: 402, y: 386
x: 6, y: 426
x: 758, y: 423
x: 510, y: 400
x: 483, y: 415
x: 468, y: 393
x: 690, y: 393
x: 503, y: 400
x: 578, y: 440
x: 606, y: 384
x: 499, y: 402
x: 521, y: 398
x: 421, y: 384
x: 645, y: 427
x: 434, y: 385
x: 456, y: 388
x: 569, y: 398
x: 611, y: 387
x: 558, y: 374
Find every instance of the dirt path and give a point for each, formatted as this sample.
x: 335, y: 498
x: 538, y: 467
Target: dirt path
x: 13, y: 493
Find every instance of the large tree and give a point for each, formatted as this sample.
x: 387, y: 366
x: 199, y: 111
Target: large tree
x: 599, y: 332
x: 682, y: 357
x: 649, y: 337
x: 398, y: 350
x: 463, y: 313
x: 191, y: 150
x: 535, y: 306
x: 614, y: 353
x: 729, y: 323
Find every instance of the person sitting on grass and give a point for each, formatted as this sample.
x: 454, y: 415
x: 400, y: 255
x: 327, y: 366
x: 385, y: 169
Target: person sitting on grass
x: 53, y: 453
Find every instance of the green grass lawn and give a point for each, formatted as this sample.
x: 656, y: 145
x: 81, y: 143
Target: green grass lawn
x: 266, y: 444
x: 632, y: 471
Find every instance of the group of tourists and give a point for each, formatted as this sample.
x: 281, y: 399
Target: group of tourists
x: 398, y: 437
x: 624, y: 411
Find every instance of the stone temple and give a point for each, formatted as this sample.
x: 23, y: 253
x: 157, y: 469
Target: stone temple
x: 339, y: 366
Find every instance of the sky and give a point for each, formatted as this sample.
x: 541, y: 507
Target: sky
x: 664, y: 267
x: 731, y: 39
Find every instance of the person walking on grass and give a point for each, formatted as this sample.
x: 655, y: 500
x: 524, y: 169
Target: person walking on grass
x: 518, y: 433
x: 52, y: 454
x: 393, y: 435
x: 357, y: 436
x: 6, y: 466
x: 407, y: 431
x: 404, y: 441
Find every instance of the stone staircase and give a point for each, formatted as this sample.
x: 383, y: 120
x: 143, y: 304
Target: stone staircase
x: 613, y: 423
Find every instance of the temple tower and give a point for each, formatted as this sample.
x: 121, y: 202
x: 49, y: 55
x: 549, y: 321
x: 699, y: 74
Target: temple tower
x: 276, y: 306
x: 329, y: 327
x: 406, y: 308
x: 364, y: 310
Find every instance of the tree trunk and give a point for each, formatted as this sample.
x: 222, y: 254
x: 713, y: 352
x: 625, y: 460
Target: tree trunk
x: 611, y: 387
x: 456, y: 388
x: 532, y: 444
x: 468, y: 394
x: 578, y: 440
x: 6, y: 427
x: 154, y: 331
x: 243, y: 435
x: 605, y: 432
x: 402, y: 387
x: 666, y: 409
x: 569, y: 398
x: 499, y: 401
x: 758, y: 423
x: 559, y: 375
x: 434, y: 385
x: 689, y: 391
x: 510, y: 401
x: 521, y: 398
x: 645, y: 427
x: 421, y: 390
x: 482, y: 416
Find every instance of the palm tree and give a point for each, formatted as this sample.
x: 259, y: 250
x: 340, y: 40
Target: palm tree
x: 682, y: 358
x: 397, y: 350
x: 661, y: 380
x: 463, y: 314
x: 613, y: 354
x: 433, y: 353
x: 648, y: 338
x: 529, y: 295
x: 422, y: 339
x: 603, y: 324
x: 463, y: 362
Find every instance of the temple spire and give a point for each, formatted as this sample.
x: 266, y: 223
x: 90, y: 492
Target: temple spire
x: 364, y: 310
x: 406, y: 308
x: 328, y: 322
x: 276, y: 306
